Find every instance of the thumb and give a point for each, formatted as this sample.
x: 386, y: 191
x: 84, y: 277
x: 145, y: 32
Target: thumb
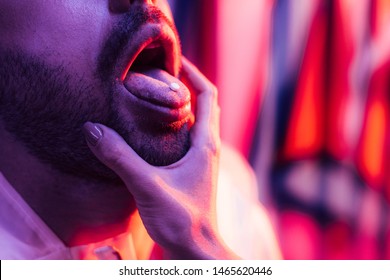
x: 110, y: 148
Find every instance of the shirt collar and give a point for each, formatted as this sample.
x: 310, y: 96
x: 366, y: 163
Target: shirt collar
x: 25, y: 236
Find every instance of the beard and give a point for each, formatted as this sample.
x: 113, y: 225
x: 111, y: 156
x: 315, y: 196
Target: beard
x: 45, y: 106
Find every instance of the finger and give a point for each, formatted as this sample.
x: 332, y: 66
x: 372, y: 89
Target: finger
x: 206, y: 127
x: 110, y: 148
x: 193, y: 75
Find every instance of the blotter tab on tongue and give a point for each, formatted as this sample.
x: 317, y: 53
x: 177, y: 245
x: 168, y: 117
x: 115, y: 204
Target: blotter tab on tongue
x: 174, y: 86
x: 158, y: 87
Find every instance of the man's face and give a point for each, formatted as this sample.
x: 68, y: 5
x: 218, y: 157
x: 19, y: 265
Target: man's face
x: 65, y: 62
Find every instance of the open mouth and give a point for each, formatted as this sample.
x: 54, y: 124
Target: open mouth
x: 152, y: 56
x: 150, y: 74
x: 157, y: 53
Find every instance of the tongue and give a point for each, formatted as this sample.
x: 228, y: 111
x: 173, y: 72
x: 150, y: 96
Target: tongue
x: 153, y: 85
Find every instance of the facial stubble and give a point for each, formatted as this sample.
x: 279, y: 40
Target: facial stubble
x: 44, y: 107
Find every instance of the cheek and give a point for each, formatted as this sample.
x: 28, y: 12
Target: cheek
x: 58, y: 31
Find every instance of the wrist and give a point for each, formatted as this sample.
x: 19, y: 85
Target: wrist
x: 203, y: 243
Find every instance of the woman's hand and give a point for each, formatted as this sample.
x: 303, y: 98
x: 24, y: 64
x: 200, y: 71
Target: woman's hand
x: 176, y: 202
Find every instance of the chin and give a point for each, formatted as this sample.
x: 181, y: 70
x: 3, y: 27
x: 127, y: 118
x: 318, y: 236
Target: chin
x: 161, y: 144
x: 163, y: 154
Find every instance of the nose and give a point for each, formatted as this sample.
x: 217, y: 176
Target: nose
x: 122, y: 6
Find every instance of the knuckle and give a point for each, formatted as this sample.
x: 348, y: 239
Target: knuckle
x: 212, y: 147
x: 213, y: 90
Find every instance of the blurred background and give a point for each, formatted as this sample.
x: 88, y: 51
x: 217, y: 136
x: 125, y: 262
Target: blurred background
x: 305, y: 92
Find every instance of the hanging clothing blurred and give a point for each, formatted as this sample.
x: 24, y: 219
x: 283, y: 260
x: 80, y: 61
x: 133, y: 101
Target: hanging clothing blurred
x: 304, y: 92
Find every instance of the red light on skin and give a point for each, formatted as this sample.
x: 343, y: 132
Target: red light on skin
x: 144, y: 45
x: 122, y: 78
x: 129, y: 237
x: 95, y: 234
x: 127, y: 69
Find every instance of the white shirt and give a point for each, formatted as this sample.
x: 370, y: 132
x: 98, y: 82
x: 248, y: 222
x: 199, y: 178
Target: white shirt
x: 242, y: 223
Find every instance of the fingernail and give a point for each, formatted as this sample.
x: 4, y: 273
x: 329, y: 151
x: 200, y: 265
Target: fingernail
x: 92, y: 133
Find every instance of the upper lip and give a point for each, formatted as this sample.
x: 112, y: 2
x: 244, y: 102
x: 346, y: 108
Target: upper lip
x: 152, y: 35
